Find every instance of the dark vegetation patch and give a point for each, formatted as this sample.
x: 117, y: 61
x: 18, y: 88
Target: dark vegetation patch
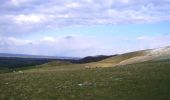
x: 13, y: 62
x: 92, y: 59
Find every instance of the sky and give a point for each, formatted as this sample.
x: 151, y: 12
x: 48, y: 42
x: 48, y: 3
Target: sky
x: 79, y: 28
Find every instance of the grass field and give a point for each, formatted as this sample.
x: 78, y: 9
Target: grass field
x: 144, y: 81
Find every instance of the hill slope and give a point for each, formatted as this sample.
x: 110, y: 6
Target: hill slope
x: 144, y: 81
x: 122, y: 59
x: 134, y: 57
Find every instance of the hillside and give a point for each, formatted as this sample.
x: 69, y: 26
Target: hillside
x: 134, y: 57
x: 144, y: 81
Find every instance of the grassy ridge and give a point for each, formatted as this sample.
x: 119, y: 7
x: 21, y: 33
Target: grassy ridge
x: 119, y: 58
x: 109, y: 62
x: 144, y: 81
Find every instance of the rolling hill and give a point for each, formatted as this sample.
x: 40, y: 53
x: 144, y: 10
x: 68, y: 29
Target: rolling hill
x: 60, y: 80
x: 92, y: 59
x: 134, y: 57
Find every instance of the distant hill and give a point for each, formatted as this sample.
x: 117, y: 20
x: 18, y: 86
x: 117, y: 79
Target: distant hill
x: 93, y: 59
x: 35, y: 56
x: 23, y: 60
x: 15, y: 62
x: 20, y: 60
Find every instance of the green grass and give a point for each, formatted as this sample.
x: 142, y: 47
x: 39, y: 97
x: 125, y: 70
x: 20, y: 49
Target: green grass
x: 4, y: 70
x: 144, y: 81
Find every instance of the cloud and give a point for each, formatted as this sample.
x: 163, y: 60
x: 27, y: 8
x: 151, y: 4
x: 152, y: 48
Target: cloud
x: 28, y: 19
x: 41, y: 14
x: 73, y: 5
x: 146, y: 42
x: 49, y: 39
x: 18, y: 2
x: 60, y: 46
x: 69, y: 37
x: 19, y: 18
x: 80, y: 46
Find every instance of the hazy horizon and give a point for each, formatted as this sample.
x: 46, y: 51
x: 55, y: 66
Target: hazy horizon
x: 83, y: 27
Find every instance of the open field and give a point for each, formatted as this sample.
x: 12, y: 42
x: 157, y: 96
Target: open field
x: 143, y: 81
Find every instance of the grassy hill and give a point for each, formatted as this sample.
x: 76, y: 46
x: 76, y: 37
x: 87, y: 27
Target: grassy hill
x: 112, y: 61
x: 134, y: 57
x: 143, y: 81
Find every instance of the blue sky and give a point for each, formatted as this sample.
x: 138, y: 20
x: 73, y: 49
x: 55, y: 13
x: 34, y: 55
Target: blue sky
x: 83, y: 27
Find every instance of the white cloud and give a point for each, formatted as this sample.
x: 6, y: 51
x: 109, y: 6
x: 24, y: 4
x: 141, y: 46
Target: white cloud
x: 29, y: 19
x: 29, y: 16
x: 154, y: 38
x: 77, y: 45
x: 55, y: 14
x: 59, y: 46
x: 125, y: 1
x: 146, y: 42
x: 19, y: 2
x: 49, y: 39
x: 73, y: 5
x: 17, y: 42
x: 121, y: 1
